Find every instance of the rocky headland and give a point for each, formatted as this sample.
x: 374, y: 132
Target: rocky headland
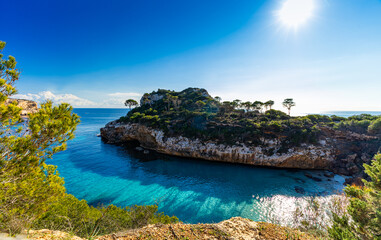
x: 193, y: 124
x: 27, y: 106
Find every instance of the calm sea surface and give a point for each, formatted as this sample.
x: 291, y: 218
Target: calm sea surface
x: 193, y: 190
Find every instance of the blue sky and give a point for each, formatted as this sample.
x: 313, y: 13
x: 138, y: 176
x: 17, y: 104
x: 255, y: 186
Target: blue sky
x: 99, y: 53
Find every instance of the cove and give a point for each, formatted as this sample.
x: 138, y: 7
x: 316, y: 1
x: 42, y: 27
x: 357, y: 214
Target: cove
x: 193, y: 190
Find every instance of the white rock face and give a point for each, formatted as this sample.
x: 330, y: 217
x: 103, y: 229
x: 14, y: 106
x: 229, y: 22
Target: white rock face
x: 305, y: 157
x: 27, y: 106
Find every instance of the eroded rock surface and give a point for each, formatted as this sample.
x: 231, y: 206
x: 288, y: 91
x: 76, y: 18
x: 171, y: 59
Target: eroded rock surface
x: 338, y: 152
x: 235, y: 228
x: 27, y: 106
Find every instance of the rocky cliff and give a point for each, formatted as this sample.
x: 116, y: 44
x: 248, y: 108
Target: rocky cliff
x: 191, y: 123
x: 336, y: 151
x: 234, y: 228
x: 27, y: 106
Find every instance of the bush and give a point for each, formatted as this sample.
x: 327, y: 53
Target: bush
x: 32, y: 194
x: 363, y: 220
x: 360, y: 126
x: 375, y: 126
x: 75, y: 216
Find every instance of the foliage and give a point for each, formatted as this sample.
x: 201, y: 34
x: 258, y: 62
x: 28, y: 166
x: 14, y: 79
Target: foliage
x: 76, y: 216
x: 364, y: 123
x: 32, y: 194
x: 363, y: 220
x: 375, y: 126
x: 194, y: 113
x: 27, y: 184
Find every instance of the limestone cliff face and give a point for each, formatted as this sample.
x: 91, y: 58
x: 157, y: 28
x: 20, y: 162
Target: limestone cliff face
x: 320, y: 156
x: 27, y: 106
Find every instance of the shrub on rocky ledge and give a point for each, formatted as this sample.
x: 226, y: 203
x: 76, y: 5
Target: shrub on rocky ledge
x: 194, y: 113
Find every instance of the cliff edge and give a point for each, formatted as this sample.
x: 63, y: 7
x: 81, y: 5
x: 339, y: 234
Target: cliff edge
x: 192, y: 124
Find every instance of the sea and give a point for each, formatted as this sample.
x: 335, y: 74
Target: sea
x: 195, y: 191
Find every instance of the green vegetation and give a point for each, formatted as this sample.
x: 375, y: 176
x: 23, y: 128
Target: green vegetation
x: 194, y: 113
x: 74, y: 216
x: 32, y: 194
x: 363, y: 218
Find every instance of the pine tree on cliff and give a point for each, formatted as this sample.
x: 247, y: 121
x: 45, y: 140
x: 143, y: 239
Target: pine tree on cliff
x: 289, y: 103
x: 130, y: 103
x: 268, y: 104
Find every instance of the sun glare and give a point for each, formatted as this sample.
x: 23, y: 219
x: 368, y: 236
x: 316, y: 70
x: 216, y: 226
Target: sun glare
x: 294, y: 13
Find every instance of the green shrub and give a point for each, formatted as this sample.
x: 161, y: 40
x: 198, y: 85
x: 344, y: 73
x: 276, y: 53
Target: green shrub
x: 75, y: 216
x: 375, y: 126
x: 360, y: 126
x: 32, y: 194
x: 363, y: 220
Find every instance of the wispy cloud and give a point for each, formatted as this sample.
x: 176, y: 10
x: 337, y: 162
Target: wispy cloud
x: 110, y: 100
x: 40, y: 97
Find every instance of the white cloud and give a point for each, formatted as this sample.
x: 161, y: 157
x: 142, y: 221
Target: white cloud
x: 74, y: 100
x: 113, y: 100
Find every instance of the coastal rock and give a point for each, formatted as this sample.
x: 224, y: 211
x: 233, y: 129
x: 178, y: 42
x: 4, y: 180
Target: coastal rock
x: 304, y: 157
x: 339, y: 152
x: 354, y: 181
x: 234, y: 228
x: 27, y: 106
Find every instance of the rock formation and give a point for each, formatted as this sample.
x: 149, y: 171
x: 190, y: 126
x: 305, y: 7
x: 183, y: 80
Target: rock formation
x: 27, y: 106
x: 335, y: 152
x: 191, y: 123
x: 234, y: 228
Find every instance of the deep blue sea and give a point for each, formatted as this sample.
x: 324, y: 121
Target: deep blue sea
x: 193, y: 190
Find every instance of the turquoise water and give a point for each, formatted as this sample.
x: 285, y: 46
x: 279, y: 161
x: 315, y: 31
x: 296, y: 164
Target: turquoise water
x: 193, y: 190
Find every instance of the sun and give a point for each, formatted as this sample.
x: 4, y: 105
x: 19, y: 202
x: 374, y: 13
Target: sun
x: 295, y: 13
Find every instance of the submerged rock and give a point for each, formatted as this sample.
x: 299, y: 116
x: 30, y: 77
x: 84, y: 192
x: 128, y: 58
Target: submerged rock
x: 316, y: 179
x: 299, y: 190
x: 329, y: 174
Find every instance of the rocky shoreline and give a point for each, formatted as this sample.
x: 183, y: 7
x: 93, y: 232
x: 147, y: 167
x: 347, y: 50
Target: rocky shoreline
x: 341, y: 153
x: 27, y: 106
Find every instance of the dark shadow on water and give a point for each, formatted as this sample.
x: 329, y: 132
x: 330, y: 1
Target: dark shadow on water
x: 189, y: 174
